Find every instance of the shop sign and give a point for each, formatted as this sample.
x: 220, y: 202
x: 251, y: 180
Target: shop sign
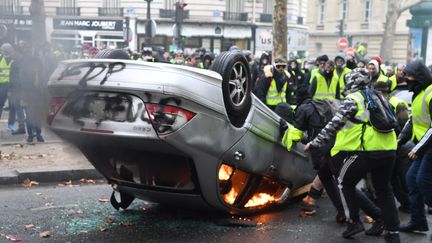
x: 88, y: 24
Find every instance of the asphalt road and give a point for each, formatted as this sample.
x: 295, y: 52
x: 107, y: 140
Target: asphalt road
x: 76, y: 214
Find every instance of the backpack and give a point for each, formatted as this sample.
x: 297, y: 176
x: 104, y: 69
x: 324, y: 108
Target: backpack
x: 326, y: 108
x: 382, y: 117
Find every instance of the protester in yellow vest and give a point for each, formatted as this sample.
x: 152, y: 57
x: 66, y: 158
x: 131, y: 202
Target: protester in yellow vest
x: 341, y: 70
x: 320, y: 63
x: 5, y: 64
x: 419, y: 130
x: 398, y: 78
x: 273, y: 86
x: 359, y: 149
x: 375, y: 73
x: 325, y: 85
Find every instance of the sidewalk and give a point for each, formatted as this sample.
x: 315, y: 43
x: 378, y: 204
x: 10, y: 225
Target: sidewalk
x: 52, y: 161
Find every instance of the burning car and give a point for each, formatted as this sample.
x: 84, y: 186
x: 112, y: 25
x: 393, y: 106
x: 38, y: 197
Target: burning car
x: 177, y: 135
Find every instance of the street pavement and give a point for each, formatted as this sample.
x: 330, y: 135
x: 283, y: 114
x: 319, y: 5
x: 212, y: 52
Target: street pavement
x: 52, y: 161
x: 80, y: 213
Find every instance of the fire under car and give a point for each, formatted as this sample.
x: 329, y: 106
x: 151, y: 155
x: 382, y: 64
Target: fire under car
x: 177, y: 135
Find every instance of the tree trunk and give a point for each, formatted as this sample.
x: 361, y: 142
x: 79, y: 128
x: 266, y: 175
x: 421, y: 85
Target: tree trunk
x: 392, y: 16
x: 280, y: 29
x: 37, y: 11
x: 394, y: 10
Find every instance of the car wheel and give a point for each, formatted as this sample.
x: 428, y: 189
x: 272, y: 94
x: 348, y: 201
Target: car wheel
x: 113, y: 54
x: 236, y: 85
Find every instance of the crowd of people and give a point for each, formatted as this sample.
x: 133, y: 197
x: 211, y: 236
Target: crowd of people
x: 358, y: 140
x: 328, y: 106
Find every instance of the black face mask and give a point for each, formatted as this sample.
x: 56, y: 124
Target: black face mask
x: 328, y: 75
x: 414, y: 85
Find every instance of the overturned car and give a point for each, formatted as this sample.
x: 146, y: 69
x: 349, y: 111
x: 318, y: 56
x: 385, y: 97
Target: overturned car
x: 177, y: 135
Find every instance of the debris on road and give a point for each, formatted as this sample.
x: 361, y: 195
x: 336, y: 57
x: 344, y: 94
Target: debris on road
x: 109, y: 220
x: 29, y: 226
x: 13, y: 238
x: 44, y: 234
x: 87, y: 181
x: 103, y: 200
x: 126, y: 224
x: 309, y: 213
x: 27, y: 183
x: 102, y: 228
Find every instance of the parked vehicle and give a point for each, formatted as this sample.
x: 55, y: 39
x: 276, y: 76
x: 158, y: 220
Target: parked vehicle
x: 177, y: 135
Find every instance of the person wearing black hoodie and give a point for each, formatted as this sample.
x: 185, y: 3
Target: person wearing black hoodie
x: 258, y: 68
x: 418, y: 129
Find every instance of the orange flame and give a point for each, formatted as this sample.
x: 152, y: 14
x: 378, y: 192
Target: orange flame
x: 259, y: 199
x: 225, y: 172
x: 230, y: 196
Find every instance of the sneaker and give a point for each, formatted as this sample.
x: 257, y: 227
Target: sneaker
x: 392, y: 237
x: 340, y: 218
x: 308, y: 203
x: 29, y: 139
x: 352, y: 229
x: 411, y: 227
x: 11, y: 128
x: 376, y: 229
x: 20, y: 130
x: 40, y: 139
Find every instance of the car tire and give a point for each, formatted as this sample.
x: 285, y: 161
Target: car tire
x: 236, y: 85
x: 113, y: 54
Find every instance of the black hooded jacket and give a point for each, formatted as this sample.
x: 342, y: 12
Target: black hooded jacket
x: 423, y: 77
x: 258, y: 68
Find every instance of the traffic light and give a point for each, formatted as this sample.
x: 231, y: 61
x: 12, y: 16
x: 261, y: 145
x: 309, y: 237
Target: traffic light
x: 179, y: 14
x: 182, y: 5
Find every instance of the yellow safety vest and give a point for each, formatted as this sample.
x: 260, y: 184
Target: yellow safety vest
x: 395, y: 101
x: 273, y: 96
x: 292, y: 134
x: 5, y: 70
x: 362, y: 136
x: 421, y: 117
x: 314, y: 72
x: 341, y: 79
x: 324, y: 91
x: 393, y: 82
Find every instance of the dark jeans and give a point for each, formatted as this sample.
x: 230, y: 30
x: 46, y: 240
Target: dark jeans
x: 419, y: 181
x: 398, y: 180
x: 4, y: 88
x: 16, y: 111
x: 33, y: 122
x: 355, y: 167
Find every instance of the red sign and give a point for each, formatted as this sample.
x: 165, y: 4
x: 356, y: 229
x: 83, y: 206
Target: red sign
x: 342, y: 43
x: 350, y: 51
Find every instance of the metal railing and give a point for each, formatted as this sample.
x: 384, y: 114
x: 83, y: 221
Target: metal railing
x: 235, y: 16
x: 67, y: 11
x: 110, y: 11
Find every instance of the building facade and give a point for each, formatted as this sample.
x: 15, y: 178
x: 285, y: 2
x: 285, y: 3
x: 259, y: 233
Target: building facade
x: 213, y: 24
x: 363, y: 21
